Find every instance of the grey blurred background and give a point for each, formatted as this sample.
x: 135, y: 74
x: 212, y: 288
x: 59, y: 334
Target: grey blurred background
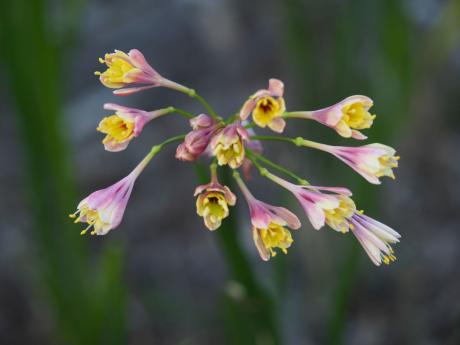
x: 161, y: 277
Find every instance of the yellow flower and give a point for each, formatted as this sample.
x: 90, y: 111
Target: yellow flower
x: 272, y: 237
x: 355, y: 116
x: 267, y: 110
x: 228, y: 146
x: 120, y: 70
x: 337, y: 218
x: 213, y: 208
x: 116, y: 128
x: 213, y: 201
x: 267, y: 107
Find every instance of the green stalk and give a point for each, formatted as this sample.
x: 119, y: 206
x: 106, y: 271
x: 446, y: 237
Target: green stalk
x: 87, y: 297
x: 254, y: 157
x: 250, y: 315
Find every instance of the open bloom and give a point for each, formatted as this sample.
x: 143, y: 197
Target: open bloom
x: 346, y: 117
x: 315, y: 203
x: 196, y: 141
x: 269, y: 225
x: 124, y: 125
x: 213, y: 201
x: 132, y: 69
x: 103, y: 210
x: 267, y: 107
x: 228, y: 145
x: 375, y: 238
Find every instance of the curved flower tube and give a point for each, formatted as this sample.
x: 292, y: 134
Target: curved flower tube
x: 267, y: 107
x: 103, y: 210
x: 268, y: 224
x: 315, y: 203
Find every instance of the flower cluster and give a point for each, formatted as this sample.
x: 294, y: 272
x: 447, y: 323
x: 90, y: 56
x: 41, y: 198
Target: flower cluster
x: 233, y: 143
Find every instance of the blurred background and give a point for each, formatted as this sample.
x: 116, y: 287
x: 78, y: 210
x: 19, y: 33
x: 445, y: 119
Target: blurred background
x: 161, y: 277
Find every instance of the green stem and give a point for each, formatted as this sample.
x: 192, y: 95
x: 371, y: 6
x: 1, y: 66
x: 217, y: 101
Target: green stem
x: 255, y: 156
x: 251, y: 315
x: 273, y: 138
x: 298, y: 115
x: 208, y: 107
x: 181, y: 112
x: 299, y: 141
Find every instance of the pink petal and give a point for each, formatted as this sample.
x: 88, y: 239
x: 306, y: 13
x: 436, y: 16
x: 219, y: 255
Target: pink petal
x: 276, y: 87
x: 277, y: 125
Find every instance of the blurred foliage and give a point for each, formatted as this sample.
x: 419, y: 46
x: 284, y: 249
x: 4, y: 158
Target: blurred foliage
x: 87, y: 296
x: 249, y: 308
x: 371, y: 48
x: 374, y: 44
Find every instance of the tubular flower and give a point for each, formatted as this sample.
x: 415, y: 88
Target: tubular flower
x: 213, y: 201
x: 228, y: 145
x: 267, y: 107
x: 375, y: 238
x: 315, y: 203
x: 269, y: 225
x: 345, y: 117
x: 103, y: 210
x: 370, y: 161
x: 233, y: 144
x: 131, y: 69
x: 196, y: 141
x: 124, y: 125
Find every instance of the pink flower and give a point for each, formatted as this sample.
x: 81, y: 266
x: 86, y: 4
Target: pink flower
x: 228, y: 145
x: 370, y: 161
x: 196, y: 141
x: 125, y: 125
x: 103, y: 210
x: 346, y: 117
x: 213, y: 201
x: 375, y: 238
x: 267, y: 107
x: 132, y: 69
x: 268, y: 224
x: 315, y: 203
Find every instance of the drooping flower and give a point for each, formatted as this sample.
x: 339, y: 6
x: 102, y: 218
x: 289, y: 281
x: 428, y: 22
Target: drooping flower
x: 375, y: 238
x: 197, y: 140
x: 213, y: 201
x: 103, y: 210
x: 370, y: 161
x: 132, y: 69
x: 315, y: 203
x: 267, y: 107
x: 345, y: 117
x: 269, y: 225
x: 228, y: 145
x: 124, y: 125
